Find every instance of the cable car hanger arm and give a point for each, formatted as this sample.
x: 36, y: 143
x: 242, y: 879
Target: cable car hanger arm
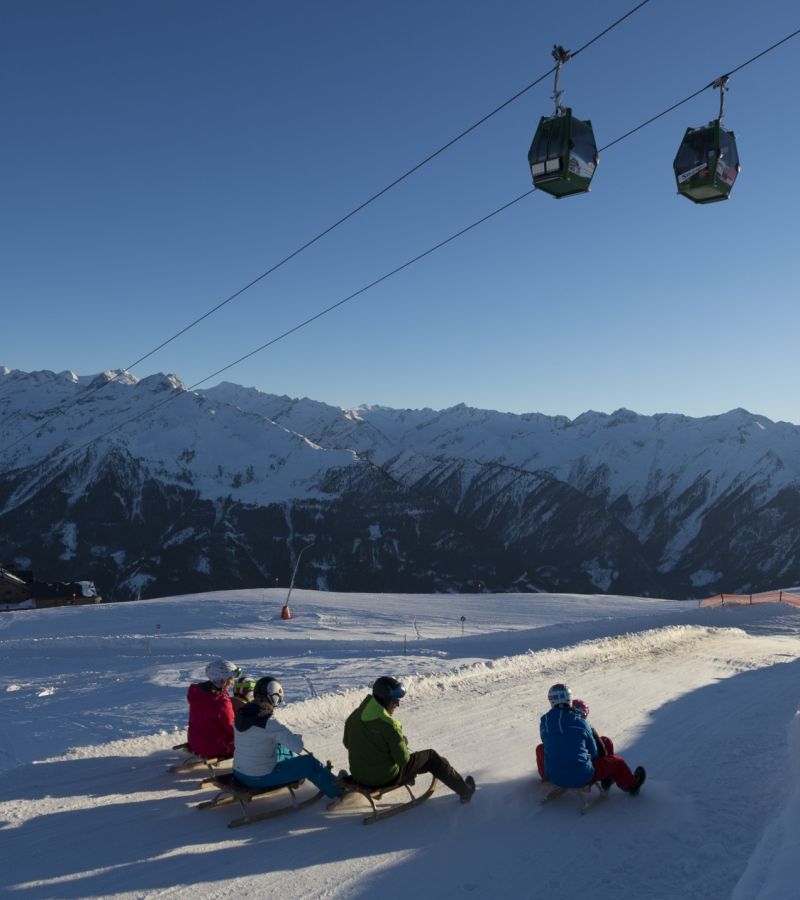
x: 560, y: 55
x: 722, y: 84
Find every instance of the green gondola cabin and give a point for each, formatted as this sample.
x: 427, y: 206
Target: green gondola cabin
x: 563, y: 155
x: 707, y: 163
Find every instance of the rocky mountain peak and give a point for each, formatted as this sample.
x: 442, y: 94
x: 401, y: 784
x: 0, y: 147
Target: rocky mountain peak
x: 144, y: 483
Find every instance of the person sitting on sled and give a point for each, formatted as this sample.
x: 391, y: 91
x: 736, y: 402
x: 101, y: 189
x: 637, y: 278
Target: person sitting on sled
x: 265, y: 753
x: 378, y: 751
x: 211, y: 713
x: 604, y: 744
x: 571, y: 755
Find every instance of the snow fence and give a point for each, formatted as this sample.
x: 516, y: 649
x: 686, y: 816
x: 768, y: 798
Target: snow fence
x: 748, y: 599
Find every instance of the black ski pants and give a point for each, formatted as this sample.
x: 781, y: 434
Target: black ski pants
x: 422, y: 761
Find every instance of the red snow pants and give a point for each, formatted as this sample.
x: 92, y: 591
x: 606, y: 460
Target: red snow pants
x: 613, y: 767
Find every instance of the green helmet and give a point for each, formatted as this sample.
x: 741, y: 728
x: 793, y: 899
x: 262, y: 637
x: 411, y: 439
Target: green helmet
x: 243, y: 688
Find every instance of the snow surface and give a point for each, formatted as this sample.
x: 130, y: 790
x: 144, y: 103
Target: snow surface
x: 92, y: 698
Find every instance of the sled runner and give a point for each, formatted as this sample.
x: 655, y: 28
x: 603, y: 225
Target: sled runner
x: 195, y: 761
x: 232, y: 791
x: 587, y: 795
x: 352, y: 789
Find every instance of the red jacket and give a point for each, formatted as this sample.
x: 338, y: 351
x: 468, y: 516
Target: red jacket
x: 210, y: 720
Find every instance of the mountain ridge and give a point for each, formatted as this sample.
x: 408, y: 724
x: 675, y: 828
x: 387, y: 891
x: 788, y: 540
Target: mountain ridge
x: 408, y: 500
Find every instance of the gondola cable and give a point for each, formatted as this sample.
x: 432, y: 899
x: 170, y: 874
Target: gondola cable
x: 182, y: 391
x: 702, y: 90
x: 388, y: 275
x: 98, y: 385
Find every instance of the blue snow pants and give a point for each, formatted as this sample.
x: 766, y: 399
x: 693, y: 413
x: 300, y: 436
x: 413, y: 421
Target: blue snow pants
x: 292, y: 769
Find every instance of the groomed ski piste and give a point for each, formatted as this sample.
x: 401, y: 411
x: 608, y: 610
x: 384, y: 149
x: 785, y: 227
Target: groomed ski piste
x: 93, y: 699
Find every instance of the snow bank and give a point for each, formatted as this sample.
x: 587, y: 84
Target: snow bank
x: 771, y: 873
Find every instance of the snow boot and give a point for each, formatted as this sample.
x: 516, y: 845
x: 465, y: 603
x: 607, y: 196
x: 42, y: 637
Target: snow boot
x: 639, y: 776
x: 469, y: 781
x: 605, y: 783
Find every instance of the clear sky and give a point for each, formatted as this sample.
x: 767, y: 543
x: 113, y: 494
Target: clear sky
x: 158, y: 156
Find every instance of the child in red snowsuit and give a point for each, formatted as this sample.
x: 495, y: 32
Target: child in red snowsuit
x: 211, y: 712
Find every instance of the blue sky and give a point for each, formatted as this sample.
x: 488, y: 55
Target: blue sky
x: 158, y: 156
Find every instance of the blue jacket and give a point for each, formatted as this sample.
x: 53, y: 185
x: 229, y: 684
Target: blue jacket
x: 569, y: 747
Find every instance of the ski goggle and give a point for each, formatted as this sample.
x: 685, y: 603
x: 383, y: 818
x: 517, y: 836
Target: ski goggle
x: 397, y: 693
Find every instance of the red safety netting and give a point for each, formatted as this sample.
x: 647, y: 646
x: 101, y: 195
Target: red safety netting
x: 750, y: 599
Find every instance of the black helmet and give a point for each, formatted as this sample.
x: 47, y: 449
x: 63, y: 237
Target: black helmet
x: 269, y: 689
x: 388, y: 691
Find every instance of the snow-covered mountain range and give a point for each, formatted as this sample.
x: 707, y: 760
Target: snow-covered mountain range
x: 144, y: 485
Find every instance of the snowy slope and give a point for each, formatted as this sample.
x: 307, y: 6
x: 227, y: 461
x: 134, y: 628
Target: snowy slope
x: 93, y: 698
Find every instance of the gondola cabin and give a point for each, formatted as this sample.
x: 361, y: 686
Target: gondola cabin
x: 563, y: 156
x: 707, y: 163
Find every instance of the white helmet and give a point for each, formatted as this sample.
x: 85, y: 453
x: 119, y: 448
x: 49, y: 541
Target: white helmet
x: 219, y: 671
x: 558, y: 694
x: 269, y: 689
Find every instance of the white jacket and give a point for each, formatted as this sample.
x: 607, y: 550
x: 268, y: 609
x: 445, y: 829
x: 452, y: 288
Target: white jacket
x: 256, y: 740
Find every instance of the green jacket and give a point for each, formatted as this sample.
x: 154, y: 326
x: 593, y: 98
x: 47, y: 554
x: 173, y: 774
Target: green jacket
x: 375, y: 744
